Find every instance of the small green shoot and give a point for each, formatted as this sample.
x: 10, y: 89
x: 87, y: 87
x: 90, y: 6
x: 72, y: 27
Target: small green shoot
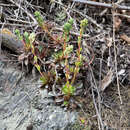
x: 17, y: 32
x: 44, y: 80
x: 66, y: 103
x: 39, y: 18
x: 68, y: 89
x: 68, y: 50
x: 62, y: 56
x: 58, y: 55
x: 26, y: 36
x: 66, y: 29
x: 79, y: 61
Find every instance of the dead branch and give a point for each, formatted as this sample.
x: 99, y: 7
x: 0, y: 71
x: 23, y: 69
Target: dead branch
x: 26, y: 11
x: 120, y: 7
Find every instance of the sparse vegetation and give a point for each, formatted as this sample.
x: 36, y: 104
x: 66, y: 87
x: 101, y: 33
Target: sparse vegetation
x: 62, y: 56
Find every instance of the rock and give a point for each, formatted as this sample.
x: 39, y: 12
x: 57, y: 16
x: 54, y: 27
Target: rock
x: 10, y: 41
x: 22, y: 104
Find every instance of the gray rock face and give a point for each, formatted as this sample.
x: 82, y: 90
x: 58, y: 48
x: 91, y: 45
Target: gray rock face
x: 24, y: 107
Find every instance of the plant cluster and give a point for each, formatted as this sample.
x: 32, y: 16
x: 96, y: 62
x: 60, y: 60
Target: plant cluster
x: 62, y: 53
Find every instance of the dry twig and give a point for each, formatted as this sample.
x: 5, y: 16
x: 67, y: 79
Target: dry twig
x: 122, y: 15
x: 16, y: 25
x: 78, y: 12
x: 97, y: 108
x: 26, y: 11
x: 105, y: 10
x: 103, y: 4
x: 115, y: 54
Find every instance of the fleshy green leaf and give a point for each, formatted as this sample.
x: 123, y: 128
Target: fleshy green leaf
x: 71, y: 69
x: 68, y: 50
x: 44, y: 80
x: 68, y: 89
x: 71, y: 21
x: 26, y: 36
x: 84, y: 23
x: 57, y: 55
x: 17, y: 32
x: 68, y: 26
x: 40, y: 48
x: 66, y: 103
x: 32, y: 37
x: 35, y: 59
x: 38, y: 67
x: 39, y: 18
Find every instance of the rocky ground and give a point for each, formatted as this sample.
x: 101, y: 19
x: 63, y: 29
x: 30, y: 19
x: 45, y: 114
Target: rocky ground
x: 102, y: 97
x: 23, y: 106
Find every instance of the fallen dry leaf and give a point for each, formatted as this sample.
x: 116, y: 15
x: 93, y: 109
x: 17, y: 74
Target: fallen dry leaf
x: 125, y: 38
x: 109, y: 41
x: 107, y: 80
x: 117, y: 23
